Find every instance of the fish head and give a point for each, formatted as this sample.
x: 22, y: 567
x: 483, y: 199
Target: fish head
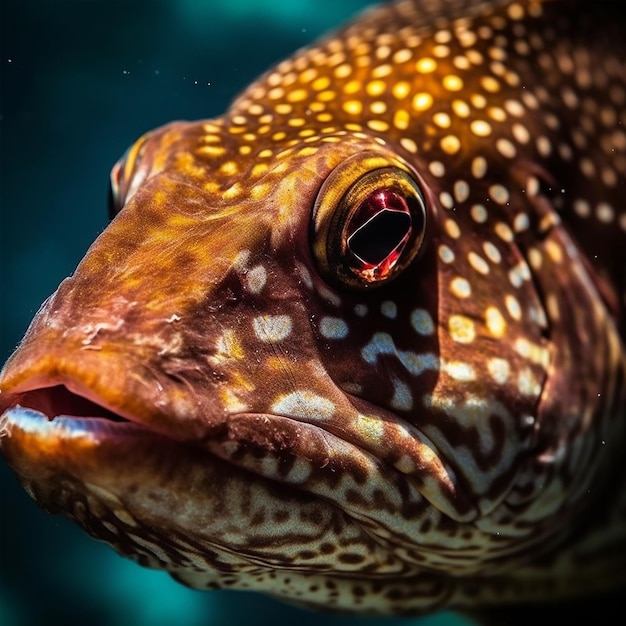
x: 306, y: 359
x: 264, y: 337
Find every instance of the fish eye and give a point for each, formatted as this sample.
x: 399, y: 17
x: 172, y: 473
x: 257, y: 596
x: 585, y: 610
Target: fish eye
x: 124, y: 179
x: 368, y: 226
x: 115, y: 200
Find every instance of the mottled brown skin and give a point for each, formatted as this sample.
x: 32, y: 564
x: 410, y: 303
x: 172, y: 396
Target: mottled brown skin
x: 242, y: 413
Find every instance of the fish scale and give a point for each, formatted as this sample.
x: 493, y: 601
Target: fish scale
x: 358, y: 342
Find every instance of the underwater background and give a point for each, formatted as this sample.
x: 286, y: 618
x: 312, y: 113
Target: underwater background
x: 81, y: 80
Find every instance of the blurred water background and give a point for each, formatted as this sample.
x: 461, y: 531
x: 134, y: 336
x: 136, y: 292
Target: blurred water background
x: 81, y: 80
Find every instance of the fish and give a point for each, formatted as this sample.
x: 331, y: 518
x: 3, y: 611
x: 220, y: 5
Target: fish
x: 359, y: 342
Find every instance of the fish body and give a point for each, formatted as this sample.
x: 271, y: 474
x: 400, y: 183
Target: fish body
x: 359, y: 342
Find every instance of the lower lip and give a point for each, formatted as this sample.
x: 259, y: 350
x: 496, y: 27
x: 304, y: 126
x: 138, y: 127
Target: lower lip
x: 32, y: 422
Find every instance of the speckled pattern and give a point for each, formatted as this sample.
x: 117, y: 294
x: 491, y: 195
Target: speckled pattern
x: 255, y: 406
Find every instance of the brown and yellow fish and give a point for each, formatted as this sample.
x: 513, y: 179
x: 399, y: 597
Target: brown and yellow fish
x: 359, y: 342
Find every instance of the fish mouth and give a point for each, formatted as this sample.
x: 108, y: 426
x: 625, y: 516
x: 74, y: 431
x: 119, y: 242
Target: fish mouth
x: 57, y: 401
x: 60, y: 409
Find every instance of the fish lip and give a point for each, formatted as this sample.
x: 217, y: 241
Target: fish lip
x: 34, y: 422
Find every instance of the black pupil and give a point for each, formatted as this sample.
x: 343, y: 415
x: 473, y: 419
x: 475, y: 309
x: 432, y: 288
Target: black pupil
x: 379, y: 226
x: 380, y: 236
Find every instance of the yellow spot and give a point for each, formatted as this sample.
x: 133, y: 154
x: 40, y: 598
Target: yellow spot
x: 421, y: 101
x: 402, y: 56
x: 233, y: 191
x: 283, y: 108
x: 228, y: 346
x: 211, y: 150
x: 229, y: 168
x: 554, y: 251
x: 260, y: 191
x: 375, y: 88
x: 442, y: 120
x: 452, y: 228
x: 408, y: 144
x: 378, y: 125
x: 506, y: 148
x: 382, y: 71
x: 308, y: 151
x: 378, y: 107
x: 480, y: 128
x: 460, y: 108
x: 452, y: 82
x: 255, y: 109
x: 450, y: 144
x: 401, y: 119
x: 343, y: 71
x: 495, y: 322
x: 497, y: 114
x: 321, y: 83
x: 490, y: 84
x: 461, y: 329
x: 353, y: 107
x: 426, y: 65
x: 401, y: 90
x: 478, y: 263
x: 503, y: 231
x: 308, y: 75
x: 259, y: 169
x: 352, y: 87
x: 325, y: 96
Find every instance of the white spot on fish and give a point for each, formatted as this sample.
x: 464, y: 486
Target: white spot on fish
x: 402, y: 397
x: 422, y: 322
x: 495, y: 322
x: 389, y: 309
x: 461, y: 329
x: 305, y: 405
x: 445, y: 254
x: 369, y: 427
x: 499, y: 370
x: 459, y: 371
x: 333, y: 328
x: 460, y: 287
x: 271, y: 328
x: 513, y: 307
x: 383, y: 344
x: 256, y: 278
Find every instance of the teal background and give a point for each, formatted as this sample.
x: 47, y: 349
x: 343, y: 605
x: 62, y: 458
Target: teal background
x: 81, y: 80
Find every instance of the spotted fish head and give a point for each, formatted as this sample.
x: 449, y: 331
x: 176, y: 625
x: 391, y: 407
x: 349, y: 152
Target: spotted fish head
x: 337, y: 344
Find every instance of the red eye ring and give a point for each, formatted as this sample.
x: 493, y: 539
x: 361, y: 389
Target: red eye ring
x: 368, y: 235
